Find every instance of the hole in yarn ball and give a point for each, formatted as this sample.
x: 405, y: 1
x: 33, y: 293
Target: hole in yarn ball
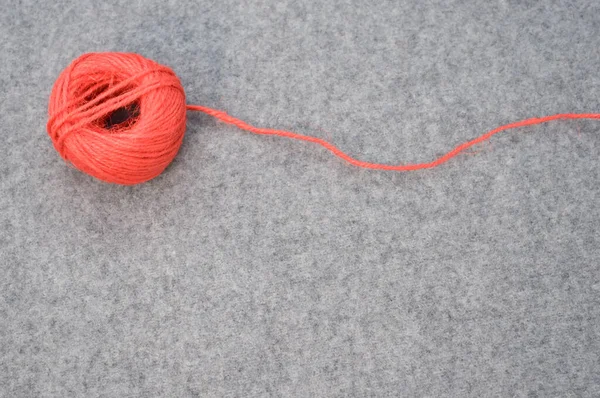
x: 124, y: 117
x: 120, y: 118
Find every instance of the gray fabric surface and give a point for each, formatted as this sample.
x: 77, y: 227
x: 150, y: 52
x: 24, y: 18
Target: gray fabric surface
x: 257, y: 266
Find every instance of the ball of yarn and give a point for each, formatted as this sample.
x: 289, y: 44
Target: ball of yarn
x: 119, y: 117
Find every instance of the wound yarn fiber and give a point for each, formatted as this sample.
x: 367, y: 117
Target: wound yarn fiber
x: 121, y: 118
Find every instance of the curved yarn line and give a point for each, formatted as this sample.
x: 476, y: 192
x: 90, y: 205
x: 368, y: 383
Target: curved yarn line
x: 224, y: 117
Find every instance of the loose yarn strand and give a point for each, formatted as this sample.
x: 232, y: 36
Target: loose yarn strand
x: 224, y: 117
x: 121, y: 118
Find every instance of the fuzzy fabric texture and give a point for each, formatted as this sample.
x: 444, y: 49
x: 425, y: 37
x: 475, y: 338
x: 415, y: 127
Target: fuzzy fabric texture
x: 258, y: 266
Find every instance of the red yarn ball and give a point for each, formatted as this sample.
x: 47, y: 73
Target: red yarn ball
x: 119, y: 117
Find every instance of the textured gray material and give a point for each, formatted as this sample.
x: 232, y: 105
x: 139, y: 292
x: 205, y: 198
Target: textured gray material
x: 257, y: 266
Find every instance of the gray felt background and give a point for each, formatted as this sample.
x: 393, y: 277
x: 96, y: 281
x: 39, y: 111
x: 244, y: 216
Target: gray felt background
x: 257, y: 266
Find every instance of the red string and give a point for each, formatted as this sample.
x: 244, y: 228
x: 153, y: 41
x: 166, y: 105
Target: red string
x: 87, y: 126
x: 367, y: 165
